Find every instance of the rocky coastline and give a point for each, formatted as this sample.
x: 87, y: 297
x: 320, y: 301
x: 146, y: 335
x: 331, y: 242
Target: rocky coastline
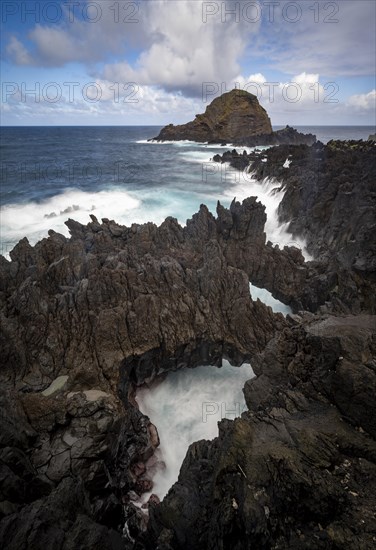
x: 86, y: 320
x: 328, y: 197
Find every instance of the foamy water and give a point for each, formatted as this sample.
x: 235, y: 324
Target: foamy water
x: 197, y: 180
x: 34, y: 219
x: 186, y: 407
x: 270, y: 194
x: 242, y: 184
x: 267, y: 298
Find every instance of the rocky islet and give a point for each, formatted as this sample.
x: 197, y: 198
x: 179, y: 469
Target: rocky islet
x: 234, y: 117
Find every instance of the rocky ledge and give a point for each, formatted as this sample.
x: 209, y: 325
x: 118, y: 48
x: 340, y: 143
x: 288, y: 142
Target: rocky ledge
x: 234, y: 117
x: 328, y: 197
x: 85, y: 320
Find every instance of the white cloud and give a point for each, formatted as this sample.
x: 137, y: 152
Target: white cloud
x: 303, y: 99
x: 186, y: 52
x: 54, y: 45
x: 331, y: 38
x: 77, y: 40
x: 140, y: 99
x: 303, y: 92
x: 306, y: 99
x: 177, y: 49
x: 364, y: 102
x: 18, y: 53
x: 244, y: 83
x: 142, y: 105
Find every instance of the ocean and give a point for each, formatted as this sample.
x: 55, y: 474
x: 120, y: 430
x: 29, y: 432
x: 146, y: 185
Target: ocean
x: 49, y: 174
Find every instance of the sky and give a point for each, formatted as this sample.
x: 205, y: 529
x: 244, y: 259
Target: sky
x: 153, y: 62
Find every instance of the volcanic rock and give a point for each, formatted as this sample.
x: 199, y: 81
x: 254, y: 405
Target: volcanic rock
x: 233, y: 115
x: 297, y: 471
x: 84, y: 321
x: 328, y: 197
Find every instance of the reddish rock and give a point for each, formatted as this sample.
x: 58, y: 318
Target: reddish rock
x: 139, y: 469
x: 153, y: 500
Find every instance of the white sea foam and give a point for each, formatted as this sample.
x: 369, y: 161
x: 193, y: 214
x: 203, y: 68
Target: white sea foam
x: 186, y: 407
x: 196, y: 156
x: 267, y: 298
x: 242, y: 184
x: 203, y: 145
x: 269, y: 193
x: 206, y: 152
x: 34, y: 219
x: 178, y: 143
x: 180, y: 197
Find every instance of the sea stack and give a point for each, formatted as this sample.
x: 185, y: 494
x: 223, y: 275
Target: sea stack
x: 232, y: 116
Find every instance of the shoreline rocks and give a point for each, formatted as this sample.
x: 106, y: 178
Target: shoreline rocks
x: 328, y: 198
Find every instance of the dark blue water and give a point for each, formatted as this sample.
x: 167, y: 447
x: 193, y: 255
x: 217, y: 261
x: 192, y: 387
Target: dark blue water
x: 41, y: 162
x: 51, y: 173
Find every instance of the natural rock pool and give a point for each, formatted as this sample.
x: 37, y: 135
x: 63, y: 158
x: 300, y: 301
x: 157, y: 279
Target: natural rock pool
x: 186, y: 407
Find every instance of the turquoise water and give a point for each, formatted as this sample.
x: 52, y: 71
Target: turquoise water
x: 51, y: 173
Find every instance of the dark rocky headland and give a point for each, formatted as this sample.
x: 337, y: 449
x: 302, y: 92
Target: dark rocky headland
x: 87, y: 319
x: 235, y: 117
